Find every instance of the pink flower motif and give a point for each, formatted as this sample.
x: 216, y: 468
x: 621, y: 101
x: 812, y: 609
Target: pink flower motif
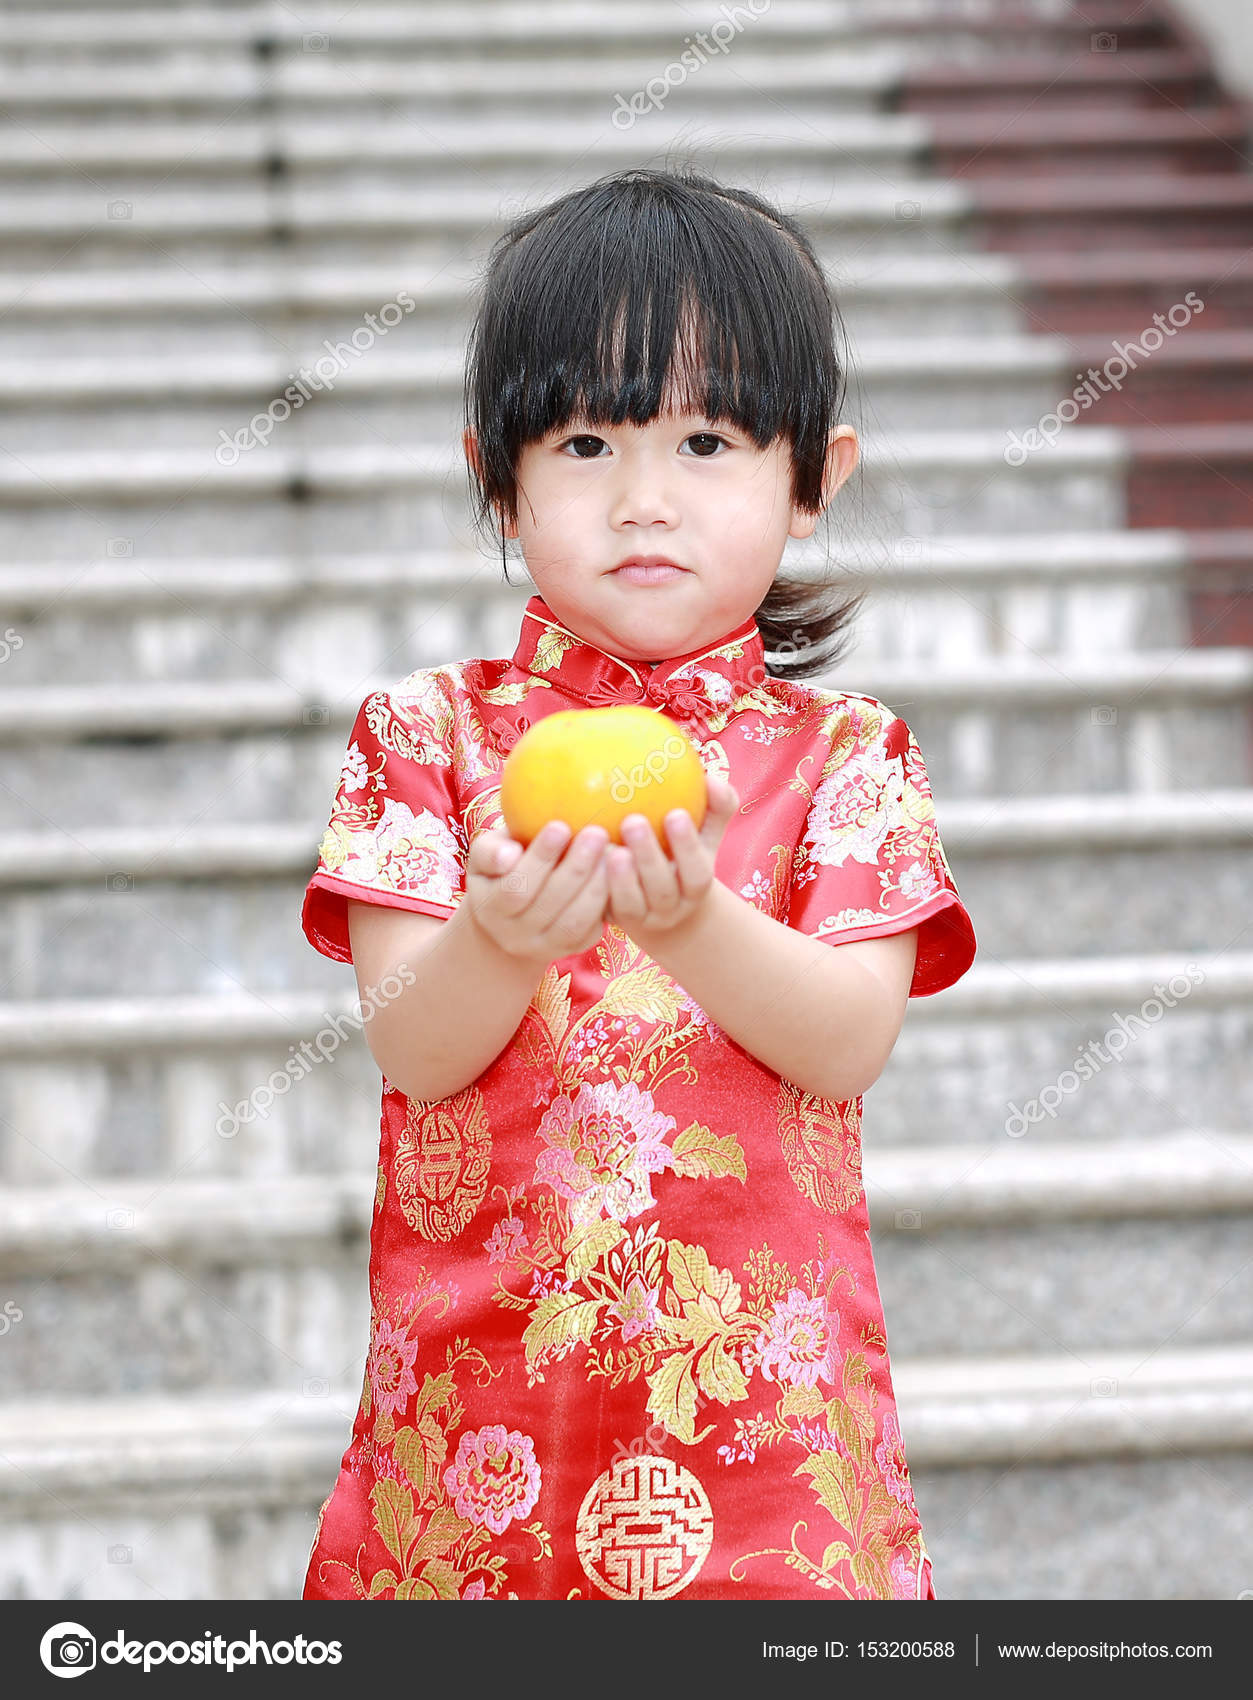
x: 356, y: 770
x: 854, y: 808
x: 390, y: 1366
x: 601, y: 1150
x: 917, y: 881
x: 638, y: 1309
x: 904, y: 1577
x: 758, y: 888
x: 819, y: 1438
x: 494, y: 1478
x: 475, y: 1590
x: 800, y: 1342
x: 507, y: 1237
x: 889, y: 1455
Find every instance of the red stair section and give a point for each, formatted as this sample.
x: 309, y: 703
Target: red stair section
x: 1102, y: 151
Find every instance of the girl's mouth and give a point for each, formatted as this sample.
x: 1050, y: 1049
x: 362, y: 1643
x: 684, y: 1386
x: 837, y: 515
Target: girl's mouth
x: 651, y: 572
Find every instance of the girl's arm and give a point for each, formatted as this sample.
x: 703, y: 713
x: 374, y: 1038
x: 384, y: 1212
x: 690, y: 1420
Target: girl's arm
x: 467, y: 980
x: 462, y: 998
x: 824, y: 1016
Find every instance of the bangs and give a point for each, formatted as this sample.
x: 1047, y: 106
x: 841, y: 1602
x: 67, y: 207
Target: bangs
x: 647, y: 292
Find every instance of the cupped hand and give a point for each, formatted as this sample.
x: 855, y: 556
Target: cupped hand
x: 539, y: 903
x: 651, y: 892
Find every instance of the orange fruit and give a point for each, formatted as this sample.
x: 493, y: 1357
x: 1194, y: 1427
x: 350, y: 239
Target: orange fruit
x: 595, y: 766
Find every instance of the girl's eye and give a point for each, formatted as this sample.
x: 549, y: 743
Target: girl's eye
x: 574, y: 442
x: 709, y: 442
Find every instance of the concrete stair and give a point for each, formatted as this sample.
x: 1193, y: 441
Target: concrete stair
x: 193, y: 201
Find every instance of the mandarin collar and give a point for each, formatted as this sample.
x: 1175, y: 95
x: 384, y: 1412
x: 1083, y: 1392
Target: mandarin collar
x: 687, y: 686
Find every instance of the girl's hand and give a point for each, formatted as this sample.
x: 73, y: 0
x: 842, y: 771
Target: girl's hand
x: 649, y: 892
x: 538, y: 903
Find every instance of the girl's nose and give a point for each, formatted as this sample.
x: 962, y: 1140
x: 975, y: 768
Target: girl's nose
x: 642, y: 496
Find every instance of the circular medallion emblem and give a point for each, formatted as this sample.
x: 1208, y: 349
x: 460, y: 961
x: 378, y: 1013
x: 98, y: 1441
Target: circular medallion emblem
x: 442, y: 1160
x: 821, y: 1142
x: 645, y: 1528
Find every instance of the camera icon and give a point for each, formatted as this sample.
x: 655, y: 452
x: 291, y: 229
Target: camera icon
x: 119, y: 1219
x: 68, y: 1649
x: 119, y: 882
x: 909, y: 1218
x: 118, y: 547
x: 120, y: 209
x: 514, y: 882
x: 1104, y: 1387
x: 120, y: 1555
x: 1105, y: 43
x: 315, y: 714
x: 908, y: 209
x: 315, y: 42
x: 316, y: 1388
x: 1104, y: 714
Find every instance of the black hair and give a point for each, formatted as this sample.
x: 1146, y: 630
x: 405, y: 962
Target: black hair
x: 580, y: 310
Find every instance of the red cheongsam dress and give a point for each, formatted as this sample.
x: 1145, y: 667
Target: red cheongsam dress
x: 626, y: 1338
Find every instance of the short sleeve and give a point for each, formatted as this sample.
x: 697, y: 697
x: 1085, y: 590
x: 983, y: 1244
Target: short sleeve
x: 394, y: 832
x: 870, y: 861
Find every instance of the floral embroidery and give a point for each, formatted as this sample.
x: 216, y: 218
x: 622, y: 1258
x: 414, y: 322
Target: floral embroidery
x: 494, y: 1479
x: 800, y: 1342
x: 390, y: 1367
x: 602, y: 1148
x: 507, y: 1237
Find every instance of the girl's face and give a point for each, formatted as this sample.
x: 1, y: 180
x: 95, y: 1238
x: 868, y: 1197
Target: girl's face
x: 681, y: 489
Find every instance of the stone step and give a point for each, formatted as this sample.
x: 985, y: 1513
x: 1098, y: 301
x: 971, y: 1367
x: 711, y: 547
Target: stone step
x: 1145, y: 721
x: 506, y: 25
x: 317, y: 81
x: 410, y: 388
x: 288, y: 499
x: 1108, y: 79
x: 421, y: 228
x: 1188, y: 475
x: 1065, y: 1286
x: 210, y: 909
x: 433, y: 225
x: 460, y: 147
x: 463, y: 147
x: 1116, y: 209
x: 1032, y: 142
x: 188, y: 1496
x: 120, y: 1225
x: 1117, y: 290
x: 229, y: 1083
x: 925, y: 600
x: 1220, y: 587
x: 1093, y: 1048
x: 209, y: 1496
x: 256, y: 309
x: 172, y: 1284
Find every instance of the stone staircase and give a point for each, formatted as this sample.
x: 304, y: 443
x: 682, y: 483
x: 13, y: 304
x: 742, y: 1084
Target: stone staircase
x: 195, y: 201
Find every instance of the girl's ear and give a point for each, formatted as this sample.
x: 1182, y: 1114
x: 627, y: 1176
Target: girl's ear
x: 843, y: 452
x: 470, y: 444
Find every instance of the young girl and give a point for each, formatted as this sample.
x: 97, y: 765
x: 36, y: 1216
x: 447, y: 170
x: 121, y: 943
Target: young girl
x: 626, y: 1336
